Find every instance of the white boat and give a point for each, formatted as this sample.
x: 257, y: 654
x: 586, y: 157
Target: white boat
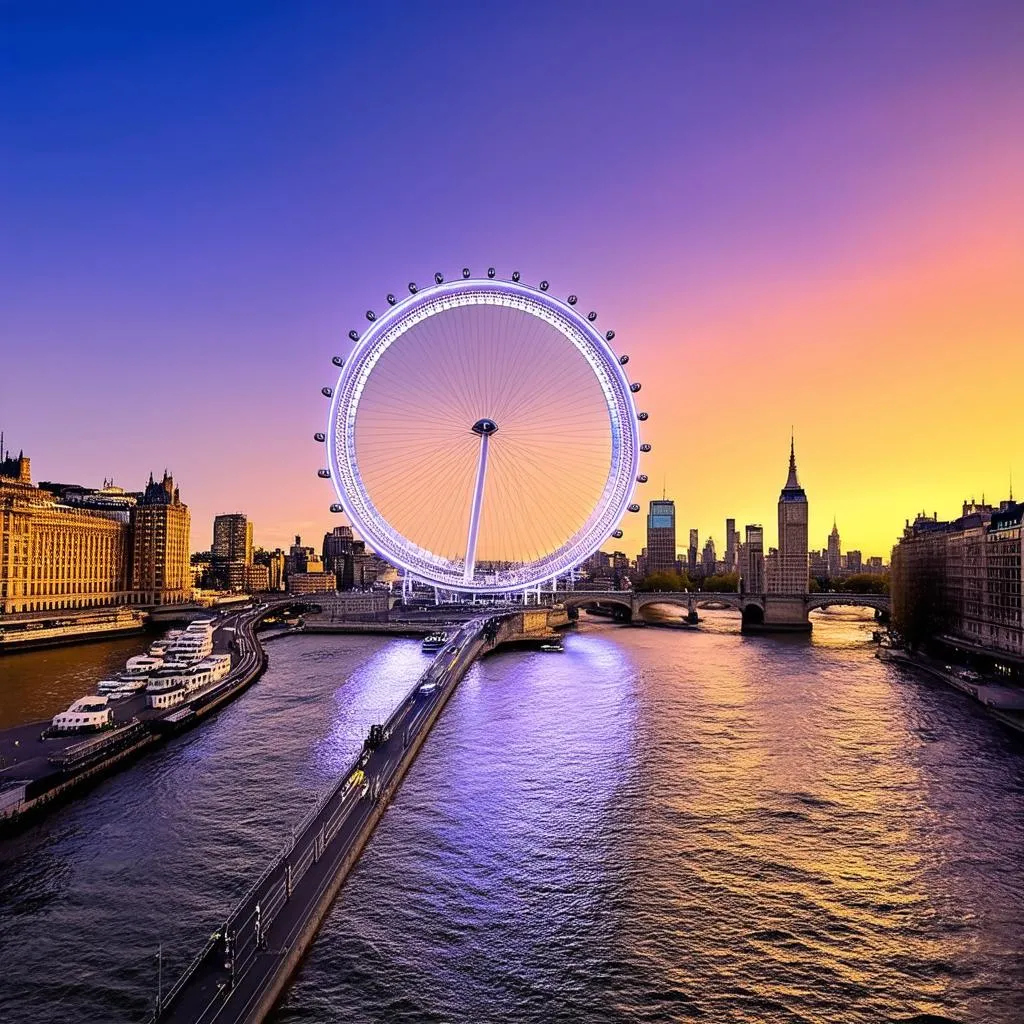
x: 87, y: 714
x: 109, y: 685
x: 435, y: 641
x: 141, y: 665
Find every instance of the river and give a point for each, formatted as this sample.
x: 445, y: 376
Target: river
x: 655, y: 825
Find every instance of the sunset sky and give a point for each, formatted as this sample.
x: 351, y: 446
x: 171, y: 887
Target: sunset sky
x: 800, y: 214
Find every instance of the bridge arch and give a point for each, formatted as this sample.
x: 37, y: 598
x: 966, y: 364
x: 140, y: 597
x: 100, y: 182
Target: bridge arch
x: 753, y: 614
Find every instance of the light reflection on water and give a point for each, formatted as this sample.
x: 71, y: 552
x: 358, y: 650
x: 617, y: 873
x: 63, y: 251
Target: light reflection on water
x: 655, y: 825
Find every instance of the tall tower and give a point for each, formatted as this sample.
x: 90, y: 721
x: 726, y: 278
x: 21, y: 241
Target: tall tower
x: 790, y: 569
x: 732, y: 539
x: 691, y: 553
x: 661, y: 536
x: 834, y: 551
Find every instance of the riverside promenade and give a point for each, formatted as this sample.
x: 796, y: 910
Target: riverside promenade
x: 246, y: 964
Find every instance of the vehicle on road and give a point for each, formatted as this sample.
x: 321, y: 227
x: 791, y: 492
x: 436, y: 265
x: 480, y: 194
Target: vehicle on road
x: 435, y: 641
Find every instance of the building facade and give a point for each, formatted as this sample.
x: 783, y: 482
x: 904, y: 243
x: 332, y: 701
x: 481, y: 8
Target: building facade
x: 231, y: 553
x: 661, y: 536
x: 312, y: 583
x: 159, y: 550
x: 119, y: 549
x: 834, y: 556
x: 786, y: 568
x: 751, y: 560
x: 961, y: 580
x: 732, y: 543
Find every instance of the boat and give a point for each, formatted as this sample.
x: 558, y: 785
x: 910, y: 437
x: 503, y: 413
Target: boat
x: 554, y: 647
x: 87, y: 714
x: 435, y: 641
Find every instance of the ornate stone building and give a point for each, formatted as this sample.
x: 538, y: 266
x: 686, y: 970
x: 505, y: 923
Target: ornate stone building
x: 160, y: 524
x: 962, y: 579
x: 55, y: 555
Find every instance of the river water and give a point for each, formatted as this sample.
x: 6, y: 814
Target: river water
x: 656, y: 825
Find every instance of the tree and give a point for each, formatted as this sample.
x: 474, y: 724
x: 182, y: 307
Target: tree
x: 865, y: 583
x: 727, y: 583
x: 665, y: 581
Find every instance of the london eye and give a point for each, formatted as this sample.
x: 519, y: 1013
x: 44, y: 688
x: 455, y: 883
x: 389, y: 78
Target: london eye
x: 482, y: 434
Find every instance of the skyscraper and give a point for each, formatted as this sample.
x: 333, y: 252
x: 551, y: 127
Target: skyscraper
x: 691, y: 552
x: 708, y: 557
x: 661, y: 536
x: 338, y: 556
x: 834, y: 552
x: 752, y: 560
x: 732, y: 539
x: 786, y: 571
x: 232, y: 538
x: 232, y: 549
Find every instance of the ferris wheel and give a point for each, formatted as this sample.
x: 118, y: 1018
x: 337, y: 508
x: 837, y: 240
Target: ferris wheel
x: 482, y: 434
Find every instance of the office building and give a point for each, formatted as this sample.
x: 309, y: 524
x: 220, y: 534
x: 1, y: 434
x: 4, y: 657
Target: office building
x: 691, y: 553
x: 834, y: 557
x: 752, y: 560
x: 708, y: 560
x: 732, y: 540
x: 661, y: 536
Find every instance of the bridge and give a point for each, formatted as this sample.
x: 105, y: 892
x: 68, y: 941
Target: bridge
x: 760, y: 612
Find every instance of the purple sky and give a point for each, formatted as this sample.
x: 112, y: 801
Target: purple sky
x: 197, y: 206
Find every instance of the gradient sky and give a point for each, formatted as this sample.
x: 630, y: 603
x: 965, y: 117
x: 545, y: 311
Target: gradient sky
x: 790, y: 213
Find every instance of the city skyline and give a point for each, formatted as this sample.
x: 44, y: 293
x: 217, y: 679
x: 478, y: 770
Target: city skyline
x: 820, y: 264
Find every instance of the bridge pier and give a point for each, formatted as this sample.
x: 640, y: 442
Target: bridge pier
x: 782, y: 614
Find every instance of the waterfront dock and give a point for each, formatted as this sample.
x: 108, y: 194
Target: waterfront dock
x: 37, y: 769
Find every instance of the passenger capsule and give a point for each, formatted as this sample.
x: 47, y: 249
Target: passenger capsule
x: 337, y: 360
x: 465, y: 271
x: 353, y: 335
x: 591, y: 316
x: 491, y: 271
x: 642, y: 478
x: 412, y: 287
x: 645, y: 447
x: 326, y: 392
x: 391, y: 299
x: 515, y: 276
x: 370, y: 315
x: 632, y: 508
x: 318, y: 436
x: 572, y: 300
x: 617, y: 534
x: 634, y: 387
x: 642, y: 417
x: 337, y: 508
x: 324, y: 474
x: 623, y: 359
x: 544, y: 286
x: 438, y: 278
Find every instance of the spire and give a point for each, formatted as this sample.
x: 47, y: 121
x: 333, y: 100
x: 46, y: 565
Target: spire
x: 791, y: 481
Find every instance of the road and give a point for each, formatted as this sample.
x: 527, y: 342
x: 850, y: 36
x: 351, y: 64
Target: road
x: 259, y: 944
